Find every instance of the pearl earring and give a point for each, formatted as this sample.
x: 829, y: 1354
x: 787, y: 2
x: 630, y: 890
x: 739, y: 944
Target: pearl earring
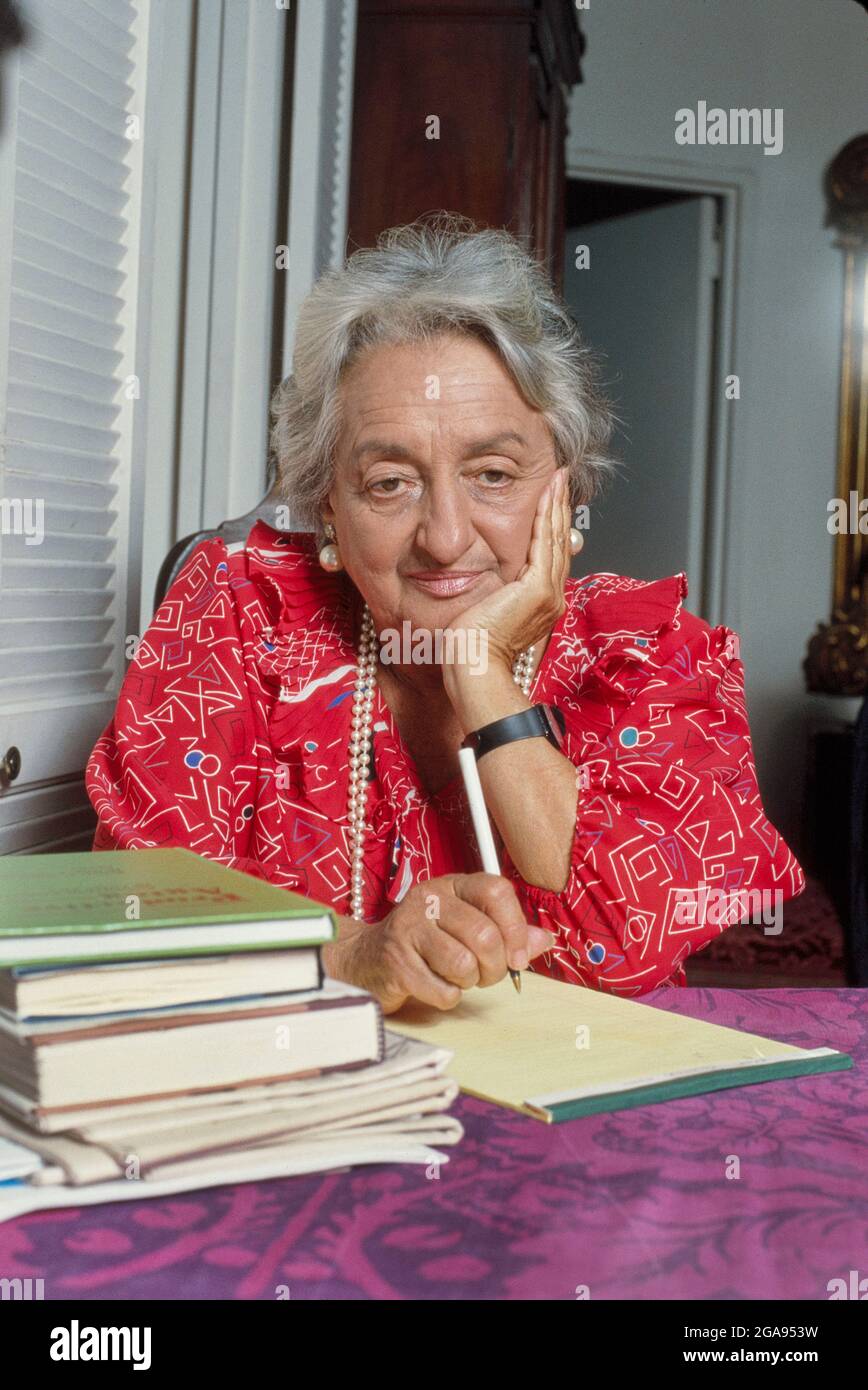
x: 577, y: 540
x: 330, y: 556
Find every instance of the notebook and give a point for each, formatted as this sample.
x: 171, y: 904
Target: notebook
x: 17, y: 1162
x: 347, y: 1149
x: 405, y: 1093
x: 133, y: 904
x: 393, y: 1111
x: 405, y: 1063
x: 557, y: 1051
x: 65, y: 1064
x: 94, y: 987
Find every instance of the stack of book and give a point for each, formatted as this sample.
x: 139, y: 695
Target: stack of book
x: 165, y: 1025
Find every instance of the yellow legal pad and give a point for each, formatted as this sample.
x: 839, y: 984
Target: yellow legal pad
x: 557, y: 1051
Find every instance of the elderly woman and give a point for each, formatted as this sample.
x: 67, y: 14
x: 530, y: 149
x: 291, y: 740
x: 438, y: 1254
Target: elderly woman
x: 440, y: 423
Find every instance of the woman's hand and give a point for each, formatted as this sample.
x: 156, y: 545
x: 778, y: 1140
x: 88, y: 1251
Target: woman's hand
x: 446, y: 935
x: 524, y: 612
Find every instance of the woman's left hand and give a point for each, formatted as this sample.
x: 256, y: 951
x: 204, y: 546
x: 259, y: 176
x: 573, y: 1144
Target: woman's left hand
x: 524, y: 612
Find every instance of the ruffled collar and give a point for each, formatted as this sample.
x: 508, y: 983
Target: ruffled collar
x: 611, y: 631
x: 312, y: 612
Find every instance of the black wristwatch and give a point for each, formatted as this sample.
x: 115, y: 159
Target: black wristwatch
x: 540, y: 721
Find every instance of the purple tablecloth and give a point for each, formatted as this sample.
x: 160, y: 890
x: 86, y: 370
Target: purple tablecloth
x: 635, y: 1204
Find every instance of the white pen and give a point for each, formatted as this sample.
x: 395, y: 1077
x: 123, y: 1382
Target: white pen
x: 481, y: 824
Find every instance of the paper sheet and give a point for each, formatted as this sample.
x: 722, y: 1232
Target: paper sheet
x: 557, y: 1041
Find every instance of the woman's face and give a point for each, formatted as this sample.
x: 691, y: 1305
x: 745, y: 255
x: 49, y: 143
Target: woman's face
x: 439, y: 466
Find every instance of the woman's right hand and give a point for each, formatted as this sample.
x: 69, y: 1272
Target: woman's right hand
x: 446, y: 935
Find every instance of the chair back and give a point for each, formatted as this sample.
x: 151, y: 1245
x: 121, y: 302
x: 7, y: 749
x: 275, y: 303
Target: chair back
x: 237, y: 528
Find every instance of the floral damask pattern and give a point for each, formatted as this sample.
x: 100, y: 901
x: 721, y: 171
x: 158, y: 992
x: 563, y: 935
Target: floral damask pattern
x: 635, y: 1204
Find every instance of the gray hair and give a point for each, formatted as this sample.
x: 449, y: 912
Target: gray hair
x: 439, y: 274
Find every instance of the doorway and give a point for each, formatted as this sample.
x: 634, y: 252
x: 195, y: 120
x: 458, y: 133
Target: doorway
x: 642, y: 279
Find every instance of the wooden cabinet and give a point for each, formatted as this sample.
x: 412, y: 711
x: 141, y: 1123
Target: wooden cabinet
x: 461, y: 104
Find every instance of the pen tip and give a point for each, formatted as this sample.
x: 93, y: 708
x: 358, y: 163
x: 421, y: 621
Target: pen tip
x: 516, y: 980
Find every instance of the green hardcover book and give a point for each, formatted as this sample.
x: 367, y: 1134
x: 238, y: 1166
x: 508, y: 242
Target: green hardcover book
x: 60, y: 909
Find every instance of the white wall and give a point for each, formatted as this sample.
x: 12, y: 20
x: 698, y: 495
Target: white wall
x: 643, y: 62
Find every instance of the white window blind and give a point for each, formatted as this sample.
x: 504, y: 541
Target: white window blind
x: 70, y: 181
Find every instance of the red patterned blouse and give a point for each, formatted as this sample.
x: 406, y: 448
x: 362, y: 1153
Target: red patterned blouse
x: 232, y: 730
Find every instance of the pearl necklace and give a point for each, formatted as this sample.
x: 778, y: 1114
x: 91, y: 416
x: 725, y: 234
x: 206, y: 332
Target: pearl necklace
x: 360, y: 746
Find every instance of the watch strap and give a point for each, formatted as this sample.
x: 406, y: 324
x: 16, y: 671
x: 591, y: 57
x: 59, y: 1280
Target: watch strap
x: 540, y: 721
